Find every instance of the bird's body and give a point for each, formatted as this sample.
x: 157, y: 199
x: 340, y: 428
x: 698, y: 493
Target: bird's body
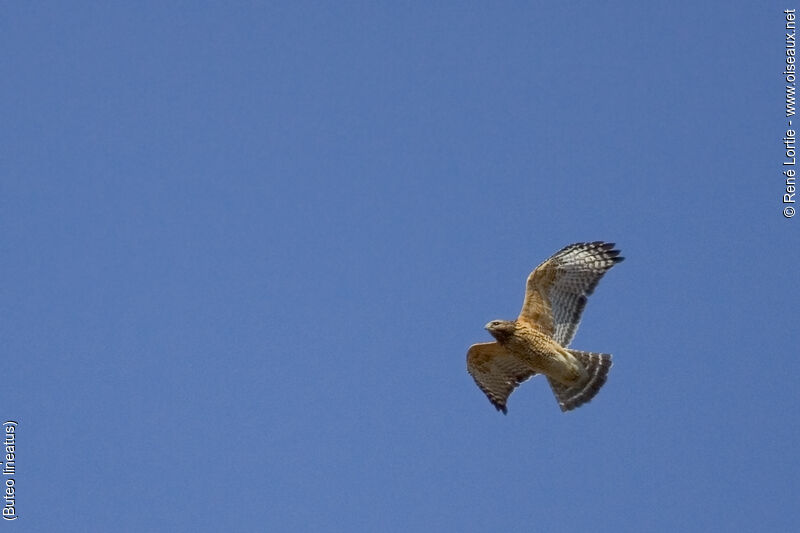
x: 536, y: 343
x: 539, y: 351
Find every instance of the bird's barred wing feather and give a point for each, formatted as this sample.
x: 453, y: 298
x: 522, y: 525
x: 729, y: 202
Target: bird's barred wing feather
x: 557, y: 289
x: 496, y: 371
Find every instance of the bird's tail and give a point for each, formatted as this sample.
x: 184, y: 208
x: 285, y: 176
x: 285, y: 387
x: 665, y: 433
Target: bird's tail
x: 597, y: 366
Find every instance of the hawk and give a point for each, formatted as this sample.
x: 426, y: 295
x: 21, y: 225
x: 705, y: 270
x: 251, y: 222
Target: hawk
x: 536, y: 342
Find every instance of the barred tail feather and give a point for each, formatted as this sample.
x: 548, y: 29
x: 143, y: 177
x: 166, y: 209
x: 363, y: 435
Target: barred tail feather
x: 597, y: 366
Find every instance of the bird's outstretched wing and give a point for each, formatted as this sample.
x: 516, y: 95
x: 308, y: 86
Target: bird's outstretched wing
x: 557, y: 289
x: 496, y: 371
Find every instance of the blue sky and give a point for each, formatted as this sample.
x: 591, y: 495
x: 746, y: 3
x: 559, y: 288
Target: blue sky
x: 246, y: 247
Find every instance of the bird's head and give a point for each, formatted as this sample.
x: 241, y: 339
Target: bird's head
x: 501, y: 329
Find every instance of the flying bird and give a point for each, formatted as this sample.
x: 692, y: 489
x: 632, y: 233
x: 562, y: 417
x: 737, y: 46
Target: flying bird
x: 537, y: 341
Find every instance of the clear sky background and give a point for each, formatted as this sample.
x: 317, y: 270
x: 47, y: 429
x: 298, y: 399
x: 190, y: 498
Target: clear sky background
x: 245, y: 247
